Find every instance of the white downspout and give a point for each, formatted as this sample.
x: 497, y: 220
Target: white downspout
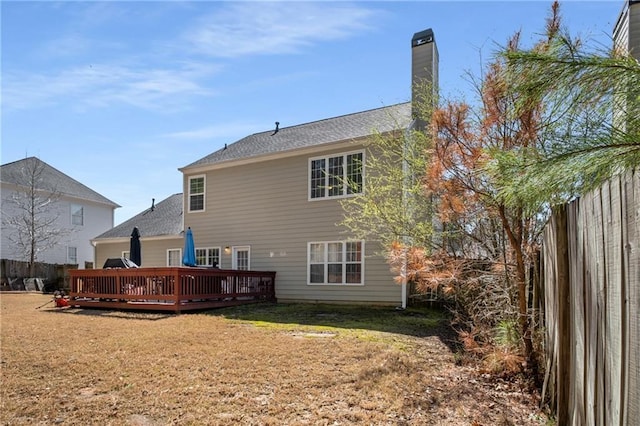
x: 404, y: 280
x: 405, y: 196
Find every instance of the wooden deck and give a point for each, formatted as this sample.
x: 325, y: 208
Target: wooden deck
x: 174, y: 289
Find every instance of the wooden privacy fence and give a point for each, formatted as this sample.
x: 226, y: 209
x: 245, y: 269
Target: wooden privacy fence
x: 13, y: 273
x: 169, y: 289
x: 591, y: 267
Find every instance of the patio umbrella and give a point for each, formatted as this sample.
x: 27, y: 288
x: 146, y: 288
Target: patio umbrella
x: 189, y: 257
x: 135, y: 253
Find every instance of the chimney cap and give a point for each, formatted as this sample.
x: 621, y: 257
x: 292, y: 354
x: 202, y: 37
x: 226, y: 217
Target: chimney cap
x: 422, y: 37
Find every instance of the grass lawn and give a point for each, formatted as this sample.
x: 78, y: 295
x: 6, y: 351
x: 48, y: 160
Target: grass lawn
x: 261, y: 364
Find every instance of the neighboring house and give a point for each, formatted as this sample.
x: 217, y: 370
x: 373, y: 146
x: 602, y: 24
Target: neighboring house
x: 626, y: 33
x: 626, y: 37
x: 161, y: 235
x: 77, y: 212
x: 271, y: 201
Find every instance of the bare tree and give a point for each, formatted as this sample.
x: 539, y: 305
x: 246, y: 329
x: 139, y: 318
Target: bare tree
x: 31, y: 214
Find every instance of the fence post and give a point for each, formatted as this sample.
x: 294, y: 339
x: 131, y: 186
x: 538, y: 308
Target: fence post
x: 564, y: 315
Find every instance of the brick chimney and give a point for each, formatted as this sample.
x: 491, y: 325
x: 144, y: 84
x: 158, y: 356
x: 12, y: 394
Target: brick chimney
x: 424, y: 67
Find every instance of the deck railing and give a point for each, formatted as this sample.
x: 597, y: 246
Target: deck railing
x: 169, y: 289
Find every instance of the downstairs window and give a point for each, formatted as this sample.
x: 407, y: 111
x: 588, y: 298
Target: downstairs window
x: 335, y: 262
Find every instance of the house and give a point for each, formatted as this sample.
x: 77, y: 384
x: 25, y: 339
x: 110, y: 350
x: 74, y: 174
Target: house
x: 626, y: 32
x: 73, y: 213
x: 161, y: 235
x: 271, y: 201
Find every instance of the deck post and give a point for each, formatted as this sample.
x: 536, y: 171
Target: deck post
x: 272, y: 287
x: 177, y: 288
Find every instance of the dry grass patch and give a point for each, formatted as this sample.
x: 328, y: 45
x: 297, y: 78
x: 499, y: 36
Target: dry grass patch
x: 258, y: 365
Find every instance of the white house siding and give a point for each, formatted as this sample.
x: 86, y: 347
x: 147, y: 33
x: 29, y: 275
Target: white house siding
x: 154, y: 251
x: 265, y: 205
x: 97, y: 217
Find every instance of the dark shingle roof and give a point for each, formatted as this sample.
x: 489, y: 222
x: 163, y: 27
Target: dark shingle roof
x: 343, y: 128
x: 48, y: 179
x: 164, y: 220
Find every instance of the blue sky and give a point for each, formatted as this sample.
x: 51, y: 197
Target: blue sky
x: 119, y: 95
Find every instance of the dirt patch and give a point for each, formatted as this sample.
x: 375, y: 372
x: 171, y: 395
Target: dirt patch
x: 98, y: 367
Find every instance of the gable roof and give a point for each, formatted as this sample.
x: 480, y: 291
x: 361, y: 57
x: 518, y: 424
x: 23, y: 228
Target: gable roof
x: 164, y: 219
x: 330, y: 130
x: 50, y: 179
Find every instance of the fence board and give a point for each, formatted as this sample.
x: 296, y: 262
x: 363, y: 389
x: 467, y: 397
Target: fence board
x: 549, y: 272
x: 565, y: 348
x: 614, y: 307
x: 576, y: 314
x: 600, y: 288
x: 632, y: 257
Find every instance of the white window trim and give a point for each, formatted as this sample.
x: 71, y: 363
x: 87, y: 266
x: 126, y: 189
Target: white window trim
x: 211, y: 248
x: 344, y: 263
x: 126, y: 254
x: 326, y: 158
x: 69, y: 261
x: 179, y: 250
x: 73, y: 207
x: 204, y: 194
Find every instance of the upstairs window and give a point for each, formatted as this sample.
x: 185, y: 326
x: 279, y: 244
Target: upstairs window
x: 196, y: 193
x: 77, y: 214
x: 335, y: 176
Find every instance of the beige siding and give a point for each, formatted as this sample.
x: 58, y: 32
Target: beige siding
x: 154, y: 252
x: 265, y: 205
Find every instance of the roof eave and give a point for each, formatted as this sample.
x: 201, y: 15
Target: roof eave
x: 200, y: 168
x: 116, y: 240
x: 65, y: 195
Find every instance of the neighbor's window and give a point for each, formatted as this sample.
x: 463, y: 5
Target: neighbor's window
x: 196, y: 193
x: 174, y: 257
x: 208, y: 256
x: 335, y: 262
x: 72, y: 255
x: 77, y: 214
x: 335, y: 176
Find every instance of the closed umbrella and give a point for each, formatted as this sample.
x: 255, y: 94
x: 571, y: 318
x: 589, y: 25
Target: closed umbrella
x: 135, y: 252
x: 189, y: 257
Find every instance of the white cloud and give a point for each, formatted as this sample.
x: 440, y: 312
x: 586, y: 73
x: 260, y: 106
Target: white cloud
x: 100, y: 85
x: 227, y: 130
x: 155, y: 80
x: 247, y: 28
x: 67, y: 46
